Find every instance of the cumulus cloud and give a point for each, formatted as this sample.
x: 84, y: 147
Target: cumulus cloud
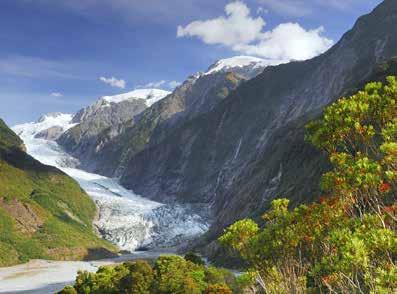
x: 113, y: 82
x: 238, y: 27
x: 242, y: 33
x: 289, y: 41
x: 56, y: 94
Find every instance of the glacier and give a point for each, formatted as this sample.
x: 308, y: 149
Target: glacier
x: 127, y: 220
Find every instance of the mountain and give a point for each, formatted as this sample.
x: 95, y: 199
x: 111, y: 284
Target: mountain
x: 43, y: 212
x: 250, y: 147
x: 111, y: 148
x: 233, y: 137
x: 247, y: 66
x: 106, y: 112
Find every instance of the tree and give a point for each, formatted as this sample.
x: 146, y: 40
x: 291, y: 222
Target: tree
x: 68, y: 290
x: 174, y: 274
x: 347, y: 242
x: 139, y: 280
x: 190, y: 256
x: 218, y: 289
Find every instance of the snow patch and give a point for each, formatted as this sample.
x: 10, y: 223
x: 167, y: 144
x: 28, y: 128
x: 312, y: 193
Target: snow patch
x: 237, y: 61
x: 150, y: 96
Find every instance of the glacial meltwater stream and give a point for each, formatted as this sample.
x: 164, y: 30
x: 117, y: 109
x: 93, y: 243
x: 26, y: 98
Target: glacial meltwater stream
x: 124, y: 218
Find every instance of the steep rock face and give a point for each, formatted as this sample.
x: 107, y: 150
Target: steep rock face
x: 198, y: 95
x: 107, y: 112
x: 52, y: 133
x: 250, y: 148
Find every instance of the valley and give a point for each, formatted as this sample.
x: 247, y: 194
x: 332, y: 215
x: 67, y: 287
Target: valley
x: 124, y: 218
x: 278, y: 161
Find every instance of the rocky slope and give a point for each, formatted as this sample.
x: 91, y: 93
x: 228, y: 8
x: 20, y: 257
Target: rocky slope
x: 43, y: 212
x: 107, y: 112
x: 234, y: 144
x: 250, y: 148
x: 112, y: 148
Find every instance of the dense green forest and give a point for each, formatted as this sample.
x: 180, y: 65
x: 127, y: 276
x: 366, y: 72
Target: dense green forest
x: 344, y: 243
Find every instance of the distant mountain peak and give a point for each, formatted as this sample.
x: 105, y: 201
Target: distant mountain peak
x: 150, y: 95
x: 49, y: 115
x: 55, y: 118
x: 240, y: 62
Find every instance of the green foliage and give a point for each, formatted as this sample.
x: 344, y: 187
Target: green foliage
x: 239, y: 234
x: 8, y: 138
x: 174, y: 273
x: 43, y: 212
x: 190, y: 256
x: 139, y: 280
x: 68, y: 290
x: 218, y: 289
x: 105, y: 281
x: 170, y: 274
x: 346, y: 243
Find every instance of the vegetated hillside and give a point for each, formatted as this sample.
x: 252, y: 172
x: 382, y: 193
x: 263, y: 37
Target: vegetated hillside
x: 250, y: 148
x: 43, y: 212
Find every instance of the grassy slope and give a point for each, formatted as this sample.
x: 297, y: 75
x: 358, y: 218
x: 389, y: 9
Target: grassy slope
x: 61, y: 213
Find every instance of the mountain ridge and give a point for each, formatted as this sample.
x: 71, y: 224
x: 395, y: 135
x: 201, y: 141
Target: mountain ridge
x: 231, y: 156
x: 114, y: 145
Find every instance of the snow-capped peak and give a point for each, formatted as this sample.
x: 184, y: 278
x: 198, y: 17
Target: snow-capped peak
x: 51, y: 115
x: 46, y: 121
x: 150, y: 95
x: 235, y: 62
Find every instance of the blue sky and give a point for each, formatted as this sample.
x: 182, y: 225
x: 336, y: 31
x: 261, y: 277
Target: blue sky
x: 60, y: 55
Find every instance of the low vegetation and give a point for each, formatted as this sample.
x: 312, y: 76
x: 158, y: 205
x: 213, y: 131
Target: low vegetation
x: 344, y: 243
x: 43, y: 212
x: 168, y: 274
x: 347, y: 242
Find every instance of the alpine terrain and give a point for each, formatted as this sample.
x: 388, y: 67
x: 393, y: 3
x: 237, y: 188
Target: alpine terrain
x: 234, y: 144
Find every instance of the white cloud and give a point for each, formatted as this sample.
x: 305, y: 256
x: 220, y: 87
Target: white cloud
x: 56, y: 94
x: 113, y: 82
x: 289, y: 41
x: 238, y: 27
x: 244, y: 34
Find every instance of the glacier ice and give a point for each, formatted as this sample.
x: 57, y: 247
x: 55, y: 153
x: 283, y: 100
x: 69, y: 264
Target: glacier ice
x: 124, y: 218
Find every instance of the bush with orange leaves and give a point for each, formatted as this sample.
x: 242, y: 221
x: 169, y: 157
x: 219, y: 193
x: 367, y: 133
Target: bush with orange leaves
x: 346, y: 243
